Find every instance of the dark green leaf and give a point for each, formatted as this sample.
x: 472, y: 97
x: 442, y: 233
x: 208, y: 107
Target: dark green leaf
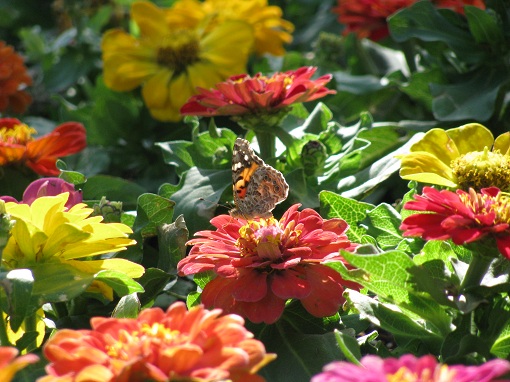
x: 152, y: 211
x: 18, y: 284
x: 172, y: 244
x: 119, y: 282
x: 127, y: 307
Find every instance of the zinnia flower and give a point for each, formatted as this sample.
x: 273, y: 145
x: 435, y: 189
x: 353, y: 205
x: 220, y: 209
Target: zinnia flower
x: 13, y: 80
x: 244, y: 94
x: 48, y: 187
x: 18, y: 146
x: 411, y: 369
x: 178, y: 345
x: 462, y: 157
x: 10, y: 364
x: 46, y: 232
x: 462, y: 216
x: 367, y: 18
x: 270, y: 30
x: 170, y: 61
x: 259, y: 265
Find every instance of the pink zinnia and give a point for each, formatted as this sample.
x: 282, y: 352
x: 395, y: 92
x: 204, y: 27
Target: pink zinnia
x: 244, y: 94
x: 462, y: 216
x: 260, y: 264
x: 411, y: 369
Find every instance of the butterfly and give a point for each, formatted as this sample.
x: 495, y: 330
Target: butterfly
x: 258, y: 187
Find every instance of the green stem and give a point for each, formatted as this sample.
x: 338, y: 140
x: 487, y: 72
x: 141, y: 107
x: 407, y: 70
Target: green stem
x: 267, y: 143
x: 476, y: 271
x: 31, y: 326
x: 4, y: 339
x: 409, y: 53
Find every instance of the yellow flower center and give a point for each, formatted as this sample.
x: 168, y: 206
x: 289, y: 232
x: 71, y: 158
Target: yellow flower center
x: 20, y: 134
x: 137, y: 343
x: 260, y: 238
x: 485, y: 204
x: 179, y: 51
x: 480, y: 169
x: 442, y: 373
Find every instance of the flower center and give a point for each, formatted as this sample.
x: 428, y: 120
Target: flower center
x: 261, y: 238
x: 483, y: 204
x: 17, y: 135
x: 442, y: 373
x: 179, y: 51
x: 481, y: 169
x: 135, y: 343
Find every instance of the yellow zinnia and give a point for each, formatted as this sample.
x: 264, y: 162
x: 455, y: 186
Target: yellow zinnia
x: 462, y: 157
x: 47, y: 233
x: 271, y: 31
x: 170, y: 61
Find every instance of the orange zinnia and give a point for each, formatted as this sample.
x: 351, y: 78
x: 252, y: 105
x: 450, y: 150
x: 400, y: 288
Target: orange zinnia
x: 10, y: 364
x: 18, y: 146
x: 13, y: 79
x: 176, y: 345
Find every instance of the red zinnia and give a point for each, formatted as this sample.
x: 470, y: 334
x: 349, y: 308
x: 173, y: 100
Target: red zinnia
x: 462, y: 216
x: 18, y: 146
x: 244, y: 94
x: 261, y: 264
x: 13, y: 79
x: 367, y: 18
x: 176, y: 345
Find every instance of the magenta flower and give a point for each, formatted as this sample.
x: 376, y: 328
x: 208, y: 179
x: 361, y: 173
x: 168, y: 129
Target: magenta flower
x: 48, y: 187
x: 409, y: 368
x: 260, y: 264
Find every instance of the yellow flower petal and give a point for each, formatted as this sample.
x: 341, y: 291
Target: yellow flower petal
x: 438, y: 144
x: 127, y: 267
x: 155, y: 91
x: 502, y: 143
x: 426, y: 168
x: 471, y: 137
x: 150, y: 19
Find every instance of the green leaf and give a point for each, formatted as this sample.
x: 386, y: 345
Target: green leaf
x: 172, y: 244
x: 348, y: 345
x: 352, y: 211
x: 484, y: 26
x: 385, y: 226
x: 395, y: 322
x: 127, y: 307
x: 422, y: 20
x: 153, y: 281
x: 152, y: 211
x: 18, y: 284
x: 472, y: 98
x: 113, y: 189
x: 119, y: 282
x: 198, y: 196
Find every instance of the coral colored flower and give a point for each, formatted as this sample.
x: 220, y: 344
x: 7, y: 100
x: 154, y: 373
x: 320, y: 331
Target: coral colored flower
x: 409, y: 368
x: 259, y: 265
x: 271, y: 31
x: 10, y: 364
x: 170, y: 61
x: 17, y: 145
x: 48, y: 187
x: 179, y: 345
x: 367, y: 18
x: 244, y: 94
x: 46, y: 232
x: 462, y: 157
x: 13, y: 80
x: 462, y: 216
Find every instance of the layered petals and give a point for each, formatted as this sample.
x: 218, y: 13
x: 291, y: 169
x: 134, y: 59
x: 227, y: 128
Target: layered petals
x: 464, y: 217
x: 169, y: 60
x: 40, y: 154
x: 14, y: 79
x: 261, y: 264
x: 411, y: 369
x: 159, y: 346
x: 244, y: 94
x: 10, y: 364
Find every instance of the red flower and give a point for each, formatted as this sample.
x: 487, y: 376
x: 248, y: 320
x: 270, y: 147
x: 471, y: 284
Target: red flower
x: 18, y: 146
x: 244, y: 94
x: 10, y: 364
x: 177, y: 345
x: 261, y: 264
x: 367, y: 18
x: 462, y: 216
x: 412, y: 369
x: 13, y: 79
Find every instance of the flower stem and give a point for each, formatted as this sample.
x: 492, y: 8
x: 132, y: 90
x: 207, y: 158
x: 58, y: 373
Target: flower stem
x: 476, y: 271
x: 31, y: 326
x: 267, y: 144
